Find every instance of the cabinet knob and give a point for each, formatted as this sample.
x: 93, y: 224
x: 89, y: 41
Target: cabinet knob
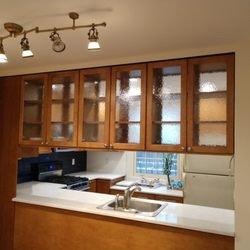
x: 182, y: 148
x: 46, y: 143
x: 189, y: 149
x: 106, y: 145
x: 111, y: 146
x: 42, y: 142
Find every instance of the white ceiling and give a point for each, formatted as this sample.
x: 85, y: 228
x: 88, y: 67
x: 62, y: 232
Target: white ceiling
x: 134, y: 27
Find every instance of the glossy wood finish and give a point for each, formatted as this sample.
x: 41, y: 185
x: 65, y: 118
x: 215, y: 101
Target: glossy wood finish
x: 129, y: 146
x: 191, y: 145
x: 42, y: 228
x: 166, y: 147
x: 103, y: 73
x: 9, y: 116
x: 150, y: 196
x: 92, y: 186
x: 59, y: 78
x: 44, y: 79
x: 103, y: 186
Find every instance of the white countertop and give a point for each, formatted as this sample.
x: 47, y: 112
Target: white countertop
x: 95, y: 175
x: 205, y: 219
x: 162, y: 190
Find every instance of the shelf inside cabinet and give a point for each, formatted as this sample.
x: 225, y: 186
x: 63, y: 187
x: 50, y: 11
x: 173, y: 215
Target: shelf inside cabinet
x: 166, y: 122
x: 127, y: 122
x: 32, y: 102
x: 214, y: 94
x: 63, y: 100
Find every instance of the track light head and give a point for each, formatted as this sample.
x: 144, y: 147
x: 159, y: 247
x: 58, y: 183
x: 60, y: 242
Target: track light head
x: 93, y: 39
x: 3, y: 57
x: 58, y: 45
x: 26, y: 52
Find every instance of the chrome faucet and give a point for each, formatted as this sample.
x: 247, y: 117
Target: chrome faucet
x: 128, y: 194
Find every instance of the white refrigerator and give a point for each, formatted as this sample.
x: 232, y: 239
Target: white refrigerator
x: 209, y: 180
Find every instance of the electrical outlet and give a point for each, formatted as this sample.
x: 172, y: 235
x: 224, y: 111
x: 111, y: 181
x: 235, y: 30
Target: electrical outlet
x: 73, y: 161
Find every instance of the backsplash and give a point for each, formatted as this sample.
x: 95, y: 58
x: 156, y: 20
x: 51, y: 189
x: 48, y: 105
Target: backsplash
x: 80, y: 163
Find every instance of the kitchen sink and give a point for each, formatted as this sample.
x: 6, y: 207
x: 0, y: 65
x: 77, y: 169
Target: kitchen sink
x: 135, y: 206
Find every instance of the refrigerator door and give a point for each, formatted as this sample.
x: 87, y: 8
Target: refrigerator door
x: 209, y: 164
x: 209, y: 190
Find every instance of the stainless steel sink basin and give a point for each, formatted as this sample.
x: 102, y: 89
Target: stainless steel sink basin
x: 135, y: 206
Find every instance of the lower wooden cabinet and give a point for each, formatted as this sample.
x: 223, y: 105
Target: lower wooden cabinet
x: 151, y: 196
x: 92, y: 186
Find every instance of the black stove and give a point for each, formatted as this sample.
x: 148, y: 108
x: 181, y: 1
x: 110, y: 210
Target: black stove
x: 52, y: 172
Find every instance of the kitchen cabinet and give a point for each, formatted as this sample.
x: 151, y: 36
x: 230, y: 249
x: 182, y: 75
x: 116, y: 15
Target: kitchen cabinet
x: 62, y: 109
x: 49, y: 107
x: 128, y: 106
x: 33, y: 110
x: 92, y: 186
x: 211, y: 105
x: 94, y: 108
x: 166, y: 106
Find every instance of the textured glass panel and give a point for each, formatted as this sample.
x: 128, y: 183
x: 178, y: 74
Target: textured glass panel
x: 32, y: 131
x: 128, y: 133
x: 210, y: 104
x: 212, y: 134
x: 166, y: 105
x: 32, y: 113
x: 64, y: 90
x: 33, y: 90
x: 128, y: 106
x: 166, y: 133
x: 94, y: 107
x: 62, y: 131
x: 94, y: 132
x: 62, y: 112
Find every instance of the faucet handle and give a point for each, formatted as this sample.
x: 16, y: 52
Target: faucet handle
x: 116, y: 201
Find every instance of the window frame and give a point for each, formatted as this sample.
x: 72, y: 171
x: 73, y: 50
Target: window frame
x: 180, y: 161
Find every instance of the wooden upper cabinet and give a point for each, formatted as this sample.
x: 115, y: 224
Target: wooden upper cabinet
x: 62, y: 108
x: 94, y: 108
x: 32, y: 112
x: 166, y: 106
x: 211, y: 104
x: 128, y: 105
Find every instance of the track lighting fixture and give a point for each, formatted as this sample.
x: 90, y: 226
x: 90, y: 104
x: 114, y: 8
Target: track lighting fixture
x: 26, y: 52
x: 58, y: 45
x: 93, y: 39
x: 3, y: 57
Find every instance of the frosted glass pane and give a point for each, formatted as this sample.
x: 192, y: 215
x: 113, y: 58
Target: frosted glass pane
x: 32, y: 113
x: 33, y: 89
x: 94, y: 111
x: 62, y: 131
x: 129, y: 111
x: 93, y: 132
x: 212, y: 134
x: 128, y: 133
x: 62, y: 112
x: 63, y: 90
x: 166, y: 134
x: 94, y: 86
x: 32, y: 131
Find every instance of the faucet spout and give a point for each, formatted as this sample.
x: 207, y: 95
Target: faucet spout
x: 128, y: 193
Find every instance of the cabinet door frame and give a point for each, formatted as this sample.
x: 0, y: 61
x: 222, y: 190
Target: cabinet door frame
x: 229, y: 148
x: 105, y: 143
x: 183, y: 128
x: 49, y: 140
x: 44, y: 114
x: 128, y: 146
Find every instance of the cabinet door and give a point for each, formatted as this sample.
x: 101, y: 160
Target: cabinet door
x: 94, y: 105
x: 166, y: 106
x: 128, y: 94
x: 32, y: 115
x: 62, y: 109
x: 211, y: 104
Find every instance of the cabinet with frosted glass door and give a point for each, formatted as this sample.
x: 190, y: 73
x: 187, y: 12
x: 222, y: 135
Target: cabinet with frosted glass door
x: 33, y: 110
x: 94, y: 108
x: 128, y: 106
x: 166, y: 106
x: 211, y: 104
x: 62, y: 108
